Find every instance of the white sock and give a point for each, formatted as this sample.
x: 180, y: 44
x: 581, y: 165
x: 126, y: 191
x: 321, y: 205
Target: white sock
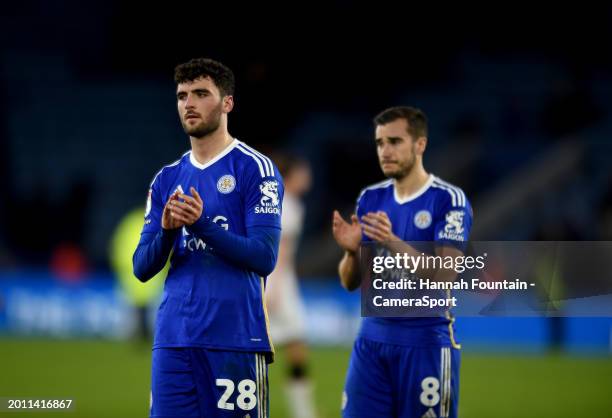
x: 300, y: 398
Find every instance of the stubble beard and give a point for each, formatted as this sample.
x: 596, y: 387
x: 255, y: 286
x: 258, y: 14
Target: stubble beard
x: 404, y: 169
x: 205, y: 127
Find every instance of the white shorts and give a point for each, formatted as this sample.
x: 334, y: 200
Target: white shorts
x: 285, y: 309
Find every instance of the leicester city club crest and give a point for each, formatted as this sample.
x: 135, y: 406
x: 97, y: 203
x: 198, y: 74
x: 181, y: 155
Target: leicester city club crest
x: 422, y: 219
x: 226, y: 184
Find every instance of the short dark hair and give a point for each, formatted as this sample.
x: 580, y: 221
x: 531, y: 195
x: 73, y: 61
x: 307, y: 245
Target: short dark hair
x: 417, y: 121
x: 196, y: 68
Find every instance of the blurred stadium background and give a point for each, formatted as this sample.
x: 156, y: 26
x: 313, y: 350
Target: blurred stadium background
x: 519, y: 103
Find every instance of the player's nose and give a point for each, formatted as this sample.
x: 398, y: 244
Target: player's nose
x: 386, y: 151
x: 189, y: 102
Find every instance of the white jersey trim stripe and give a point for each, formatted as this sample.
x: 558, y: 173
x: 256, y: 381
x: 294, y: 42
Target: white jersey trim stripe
x: 442, y: 380
x: 266, y: 160
x: 264, y: 157
x: 418, y: 193
x: 461, y: 200
x: 257, y: 383
x: 457, y: 194
x: 164, y: 167
x: 460, y: 192
x: 262, y: 379
x: 457, y: 189
x: 254, y: 155
x: 447, y: 382
x: 450, y: 187
x: 261, y: 169
x: 262, y: 385
x: 450, y: 192
x: 264, y: 390
x: 380, y: 185
x: 216, y: 158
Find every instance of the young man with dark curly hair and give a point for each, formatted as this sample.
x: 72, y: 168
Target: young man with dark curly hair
x: 216, y: 213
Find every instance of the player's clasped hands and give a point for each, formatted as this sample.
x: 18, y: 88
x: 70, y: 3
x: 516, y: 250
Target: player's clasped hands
x: 347, y: 235
x: 377, y: 226
x: 182, y: 209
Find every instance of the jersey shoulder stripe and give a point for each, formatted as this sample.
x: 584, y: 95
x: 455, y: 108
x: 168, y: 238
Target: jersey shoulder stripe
x: 462, y: 201
x: 266, y: 168
x: 266, y: 163
x: 379, y: 185
x: 266, y: 160
x: 457, y: 196
x: 262, y: 170
x: 174, y: 164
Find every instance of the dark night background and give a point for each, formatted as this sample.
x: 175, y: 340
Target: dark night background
x: 513, y: 94
x: 519, y: 100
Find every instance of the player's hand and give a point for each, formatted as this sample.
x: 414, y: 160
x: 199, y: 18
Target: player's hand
x: 168, y: 222
x: 188, y: 209
x: 377, y: 226
x: 347, y: 235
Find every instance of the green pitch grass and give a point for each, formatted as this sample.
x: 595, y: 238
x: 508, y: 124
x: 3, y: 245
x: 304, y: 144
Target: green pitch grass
x: 111, y: 379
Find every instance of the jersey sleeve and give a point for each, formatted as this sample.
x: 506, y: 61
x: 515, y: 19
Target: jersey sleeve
x: 360, y: 210
x: 359, y: 206
x: 155, y: 243
x: 154, y: 208
x: 453, y: 222
x: 263, y: 195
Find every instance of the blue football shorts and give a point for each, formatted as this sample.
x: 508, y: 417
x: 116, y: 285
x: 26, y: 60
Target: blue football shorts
x: 198, y: 382
x: 394, y: 381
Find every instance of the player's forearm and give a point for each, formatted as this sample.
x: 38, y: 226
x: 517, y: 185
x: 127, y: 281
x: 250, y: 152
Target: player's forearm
x: 257, y: 251
x: 348, y: 269
x: 152, y: 253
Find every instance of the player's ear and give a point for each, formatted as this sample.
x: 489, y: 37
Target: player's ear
x: 228, y: 103
x: 421, y: 144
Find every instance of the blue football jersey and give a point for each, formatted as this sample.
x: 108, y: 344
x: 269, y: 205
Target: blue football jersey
x: 438, y: 214
x: 208, y: 302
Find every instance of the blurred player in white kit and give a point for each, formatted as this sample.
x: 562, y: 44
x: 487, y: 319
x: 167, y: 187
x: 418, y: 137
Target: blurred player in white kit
x: 284, y: 303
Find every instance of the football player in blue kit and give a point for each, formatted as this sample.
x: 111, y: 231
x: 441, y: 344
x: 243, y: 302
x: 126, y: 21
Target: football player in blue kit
x: 404, y: 367
x: 216, y: 213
